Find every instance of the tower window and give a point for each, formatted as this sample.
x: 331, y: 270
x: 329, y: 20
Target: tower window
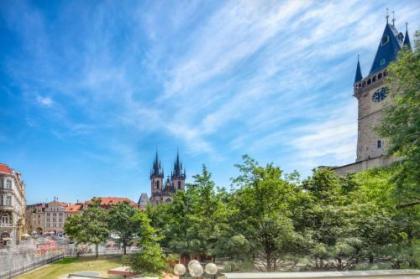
x: 385, y: 40
x: 379, y: 144
x: 157, y: 185
x: 382, y: 61
x: 179, y: 184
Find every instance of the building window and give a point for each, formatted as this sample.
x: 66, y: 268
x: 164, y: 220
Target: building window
x: 179, y: 184
x: 5, y: 219
x: 382, y: 61
x: 9, y: 200
x: 379, y: 144
x: 385, y: 40
x: 157, y: 184
x: 8, y: 184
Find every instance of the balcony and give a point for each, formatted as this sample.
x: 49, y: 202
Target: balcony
x: 7, y: 207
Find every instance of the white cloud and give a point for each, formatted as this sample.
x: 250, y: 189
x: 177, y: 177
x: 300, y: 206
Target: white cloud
x: 248, y: 75
x: 44, y: 101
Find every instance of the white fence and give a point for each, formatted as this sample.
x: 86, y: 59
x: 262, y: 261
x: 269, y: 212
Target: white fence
x: 377, y: 274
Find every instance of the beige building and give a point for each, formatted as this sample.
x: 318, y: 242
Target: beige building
x: 49, y: 217
x: 373, y: 97
x: 12, y: 206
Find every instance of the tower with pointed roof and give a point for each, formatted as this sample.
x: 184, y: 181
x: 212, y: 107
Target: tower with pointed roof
x: 163, y: 190
x: 178, y: 174
x: 373, y: 97
x: 156, y: 180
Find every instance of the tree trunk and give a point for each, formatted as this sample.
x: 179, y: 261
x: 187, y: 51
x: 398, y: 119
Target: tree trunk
x: 96, y: 250
x: 340, y: 264
x: 268, y: 261
x: 124, y: 248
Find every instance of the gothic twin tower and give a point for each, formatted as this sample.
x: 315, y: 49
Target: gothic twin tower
x: 162, y: 192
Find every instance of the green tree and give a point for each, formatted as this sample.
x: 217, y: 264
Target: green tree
x: 328, y: 219
x: 120, y: 223
x: 262, y: 212
x: 90, y: 227
x: 194, y: 222
x: 149, y: 260
x: 401, y: 124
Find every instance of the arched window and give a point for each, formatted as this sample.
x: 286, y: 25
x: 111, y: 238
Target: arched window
x: 157, y: 184
x: 379, y: 144
x: 385, y: 40
x: 380, y: 76
x: 179, y: 184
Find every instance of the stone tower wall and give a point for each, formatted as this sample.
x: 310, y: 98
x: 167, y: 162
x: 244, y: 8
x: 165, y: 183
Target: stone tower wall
x: 370, y: 115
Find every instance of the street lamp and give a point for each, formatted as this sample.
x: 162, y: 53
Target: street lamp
x: 195, y: 270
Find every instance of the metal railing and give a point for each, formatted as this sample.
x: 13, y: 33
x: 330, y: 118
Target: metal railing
x: 13, y: 273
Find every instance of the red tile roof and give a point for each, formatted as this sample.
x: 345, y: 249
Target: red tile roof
x: 5, y: 169
x: 108, y: 201
x: 73, y: 207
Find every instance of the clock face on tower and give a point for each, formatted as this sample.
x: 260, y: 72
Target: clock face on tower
x: 380, y: 94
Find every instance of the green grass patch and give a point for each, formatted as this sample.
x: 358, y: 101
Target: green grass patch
x: 60, y: 269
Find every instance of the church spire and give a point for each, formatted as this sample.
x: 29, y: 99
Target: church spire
x: 358, y: 77
x: 157, y: 167
x: 406, y: 42
x: 389, y: 46
x: 178, y: 169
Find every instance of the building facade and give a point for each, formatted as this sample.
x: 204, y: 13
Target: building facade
x: 373, y: 97
x: 47, y: 217
x: 50, y: 217
x: 12, y: 206
x: 162, y: 190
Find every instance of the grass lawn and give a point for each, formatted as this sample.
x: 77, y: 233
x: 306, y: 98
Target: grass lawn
x: 70, y: 265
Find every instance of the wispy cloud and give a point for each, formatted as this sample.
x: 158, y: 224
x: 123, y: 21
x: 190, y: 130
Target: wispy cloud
x: 44, y: 101
x: 219, y: 79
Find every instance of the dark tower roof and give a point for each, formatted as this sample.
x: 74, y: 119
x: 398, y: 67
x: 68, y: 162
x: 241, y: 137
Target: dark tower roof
x: 391, y: 42
x: 156, y: 170
x: 178, y: 171
x: 407, y: 42
x: 358, y: 77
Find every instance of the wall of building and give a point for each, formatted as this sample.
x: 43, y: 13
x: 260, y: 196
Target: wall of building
x: 370, y: 115
x: 364, y: 165
x: 12, y: 207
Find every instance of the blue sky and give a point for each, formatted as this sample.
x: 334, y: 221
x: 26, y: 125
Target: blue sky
x: 90, y: 89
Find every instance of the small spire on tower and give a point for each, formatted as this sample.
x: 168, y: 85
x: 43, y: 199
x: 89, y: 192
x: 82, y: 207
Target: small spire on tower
x: 358, y: 77
x: 407, y: 42
x: 393, y: 18
x: 387, y: 15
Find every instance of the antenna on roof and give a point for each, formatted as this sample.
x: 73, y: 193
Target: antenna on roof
x: 387, y: 15
x: 393, y: 18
